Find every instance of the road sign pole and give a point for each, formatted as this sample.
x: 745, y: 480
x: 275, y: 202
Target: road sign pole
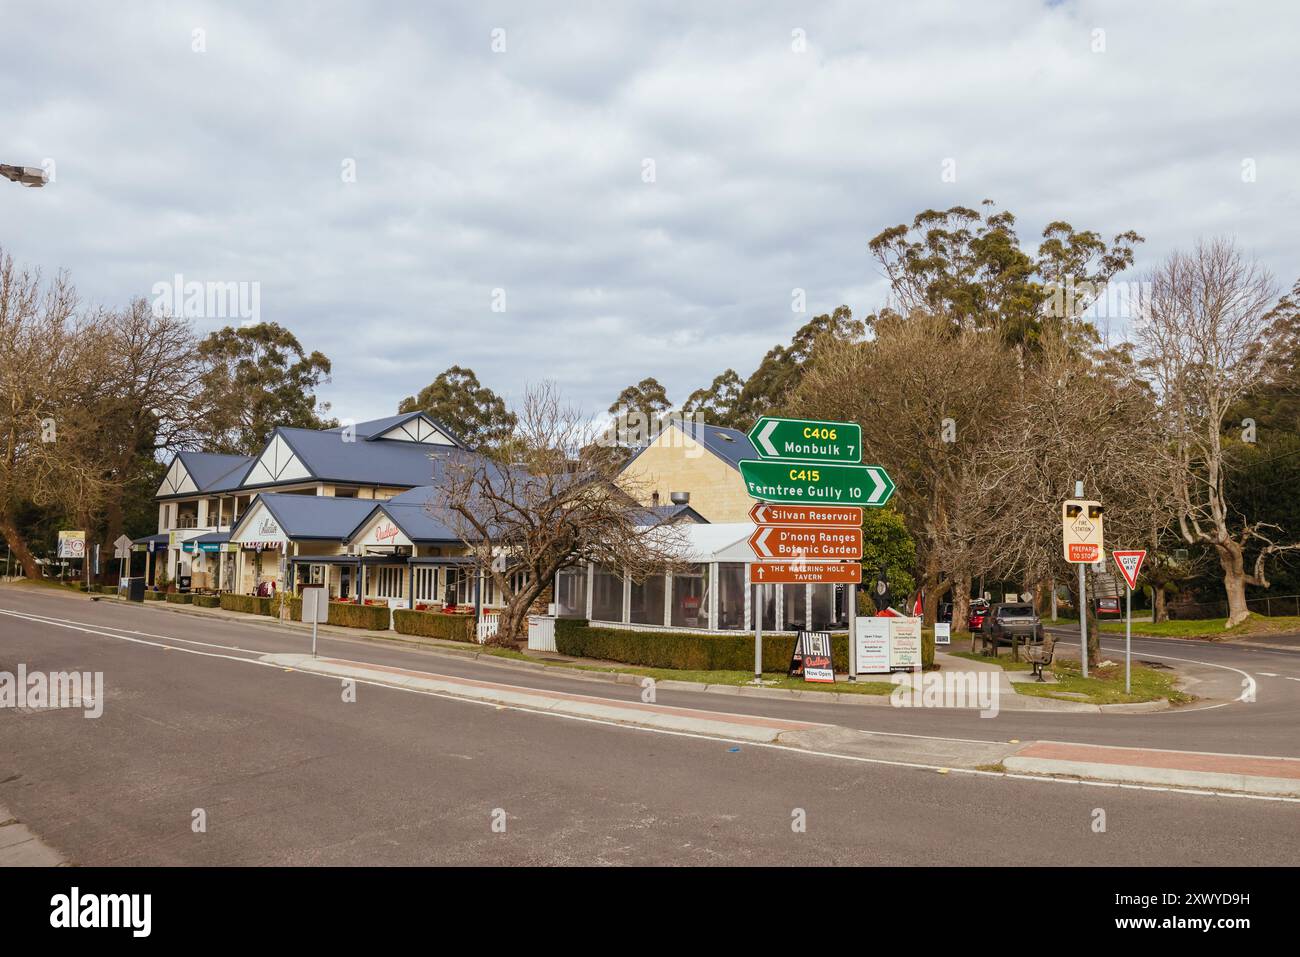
x: 1128, y: 643
x: 1083, y: 602
x: 852, y: 618
x: 313, y: 635
x: 1083, y: 619
x: 758, y: 634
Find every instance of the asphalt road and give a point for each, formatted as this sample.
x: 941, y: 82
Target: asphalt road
x: 288, y: 773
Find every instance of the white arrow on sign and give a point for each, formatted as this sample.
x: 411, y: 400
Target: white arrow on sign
x: 880, y: 485
x: 765, y: 437
x: 760, y: 544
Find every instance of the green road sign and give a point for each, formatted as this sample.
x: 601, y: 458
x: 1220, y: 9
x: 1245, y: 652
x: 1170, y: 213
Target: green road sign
x: 806, y: 440
x: 867, y: 485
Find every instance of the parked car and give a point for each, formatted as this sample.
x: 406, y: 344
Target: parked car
x: 979, y: 609
x: 1006, y: 621
x: 945, y: 611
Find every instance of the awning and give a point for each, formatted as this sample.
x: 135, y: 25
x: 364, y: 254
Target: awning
x: 211, y: 542
x: 345, y: 560
x: 150, y: 543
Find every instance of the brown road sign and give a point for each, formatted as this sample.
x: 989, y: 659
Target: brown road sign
x: 806, y: 573
x: 806, y: 541
x: 767, y: 513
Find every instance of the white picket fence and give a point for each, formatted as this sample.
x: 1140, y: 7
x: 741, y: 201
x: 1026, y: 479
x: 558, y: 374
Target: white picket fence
x: 488, y: 625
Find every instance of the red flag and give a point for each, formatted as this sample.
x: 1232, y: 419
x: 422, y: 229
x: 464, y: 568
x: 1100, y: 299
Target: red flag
x: 916, y: 606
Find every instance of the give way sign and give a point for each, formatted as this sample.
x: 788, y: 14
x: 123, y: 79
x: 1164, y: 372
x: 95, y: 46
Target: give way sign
x: 1130, y: 563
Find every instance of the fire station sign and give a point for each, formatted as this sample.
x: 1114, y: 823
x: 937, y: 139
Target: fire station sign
x: 1081, y: 531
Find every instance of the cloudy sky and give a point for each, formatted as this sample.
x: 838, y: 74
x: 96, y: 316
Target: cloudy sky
x: 646, y: 183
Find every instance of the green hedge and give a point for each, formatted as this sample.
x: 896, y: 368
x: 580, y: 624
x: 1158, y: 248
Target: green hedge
x: 345, y: 614
x: 154, y: 596
x: 682, y: 651
x: 207, y: 601
x: 348, y: 615
x: 179, y: 598
x: 248, y: 604
x: 432, y: 624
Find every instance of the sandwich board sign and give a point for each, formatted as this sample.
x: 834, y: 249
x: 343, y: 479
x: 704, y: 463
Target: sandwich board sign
x: 872, y: 644
x: 812, y: 657
x: 904, y: 644
x: 1081, y: 531
x: 942, y: 633
x: 1130, y: 565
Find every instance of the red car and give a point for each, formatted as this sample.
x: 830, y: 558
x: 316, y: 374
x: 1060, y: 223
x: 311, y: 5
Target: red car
x: 979, y: 609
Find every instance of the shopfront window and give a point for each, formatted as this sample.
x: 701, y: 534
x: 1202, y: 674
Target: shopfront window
x: 768, y: 604
x: 647, y: 607
x: 794, y: 608
x: 571, y: 592
x: 691, y: 597
x: 827, y: 605
x: 607, y: 594
x: 731, y: 596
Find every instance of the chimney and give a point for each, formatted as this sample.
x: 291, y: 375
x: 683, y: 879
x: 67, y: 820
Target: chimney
x: 680, y: 498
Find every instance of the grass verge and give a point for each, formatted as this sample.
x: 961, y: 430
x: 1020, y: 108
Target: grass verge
x: 1214, y: 628
x: 1105, y: 685
x: 1002, y: 661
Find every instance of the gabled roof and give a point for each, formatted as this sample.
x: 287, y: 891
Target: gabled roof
x: 730, y: 445
x: 214, y: 472
x: 378, y: 429
x: 416, y: 520
x: 197, y: 473
x: 310, y: 516
x: 328, y: 456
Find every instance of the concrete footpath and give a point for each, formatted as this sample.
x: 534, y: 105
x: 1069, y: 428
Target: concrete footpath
x: 1213, y: 773
x: 19, y: 847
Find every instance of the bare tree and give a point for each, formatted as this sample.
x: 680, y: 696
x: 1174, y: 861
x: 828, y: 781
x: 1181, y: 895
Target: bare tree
x: 49, y: 363
x: 1079, y: 413
x: 1209, y: 339
x: 545, y: 500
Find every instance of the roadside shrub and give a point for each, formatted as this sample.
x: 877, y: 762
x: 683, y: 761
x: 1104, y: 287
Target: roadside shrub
x: 107, y: 589
x: 684, y: 652
x: 177, y: 598
x: 434, y: 625
x: 249, y: 604
x: 154, y: 596
x: 348, y: 615
x: 207, y: 601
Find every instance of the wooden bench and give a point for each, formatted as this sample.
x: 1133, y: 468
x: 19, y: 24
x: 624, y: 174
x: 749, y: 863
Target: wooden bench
x: 1039, y: 654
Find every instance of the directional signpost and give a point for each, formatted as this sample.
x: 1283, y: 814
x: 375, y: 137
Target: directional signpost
x: 800, y: 482
x: 804, y: 441
x: 811, y: 493
x: 1130, y: 564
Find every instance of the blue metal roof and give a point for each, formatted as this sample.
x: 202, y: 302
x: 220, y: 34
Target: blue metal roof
x: 416, y: 520
x: 215, y: 472
x: 313, y: 516
x: 385, y: 462
x: 730, y: 445
x: 372, y: 429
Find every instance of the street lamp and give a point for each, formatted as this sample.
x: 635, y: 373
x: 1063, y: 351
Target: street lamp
x: 27, y: 175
